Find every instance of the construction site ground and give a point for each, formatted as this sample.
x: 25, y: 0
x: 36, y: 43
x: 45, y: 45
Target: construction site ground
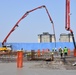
x: 57, y: 64
x: 40, y: 67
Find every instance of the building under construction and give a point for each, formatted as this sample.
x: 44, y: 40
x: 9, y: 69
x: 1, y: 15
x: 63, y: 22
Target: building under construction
x: 46, y: 38
x: 65, y: 37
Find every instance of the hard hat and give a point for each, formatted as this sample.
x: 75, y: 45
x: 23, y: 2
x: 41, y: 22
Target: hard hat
x: 55, y: 48
x: 60, y: 47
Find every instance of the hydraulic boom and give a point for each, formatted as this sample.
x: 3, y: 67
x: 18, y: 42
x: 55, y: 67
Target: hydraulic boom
x: 67, y: 23
x: 17, y: 24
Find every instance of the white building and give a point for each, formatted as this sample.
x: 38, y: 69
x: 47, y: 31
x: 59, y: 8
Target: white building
x: 46, y: 37
x: 65, y: 38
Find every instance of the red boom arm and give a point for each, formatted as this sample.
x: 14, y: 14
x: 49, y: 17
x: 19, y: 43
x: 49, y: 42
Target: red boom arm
x: 16, y: 25
x: 67, y: 21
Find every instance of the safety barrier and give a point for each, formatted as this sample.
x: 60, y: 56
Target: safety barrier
x: 41, y: 46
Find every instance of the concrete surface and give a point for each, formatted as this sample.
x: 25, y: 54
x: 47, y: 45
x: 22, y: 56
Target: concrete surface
x: 31, y: 68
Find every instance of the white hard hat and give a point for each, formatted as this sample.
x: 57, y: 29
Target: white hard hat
x: 60, y: 47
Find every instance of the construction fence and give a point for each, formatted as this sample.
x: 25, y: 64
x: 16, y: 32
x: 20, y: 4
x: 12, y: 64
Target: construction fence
x: 41, y: 46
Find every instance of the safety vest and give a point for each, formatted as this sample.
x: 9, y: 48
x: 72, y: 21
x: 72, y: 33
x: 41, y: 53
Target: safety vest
x: 65, y: 50
x: 60, y: 50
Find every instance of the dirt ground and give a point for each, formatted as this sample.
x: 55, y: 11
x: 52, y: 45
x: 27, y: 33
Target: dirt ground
x: 57, y: 64
x: 39, y: 67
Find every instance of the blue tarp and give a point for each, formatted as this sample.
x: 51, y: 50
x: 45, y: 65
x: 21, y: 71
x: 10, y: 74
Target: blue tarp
x: 36, y: 46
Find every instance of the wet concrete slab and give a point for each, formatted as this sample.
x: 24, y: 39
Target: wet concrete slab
x: 33, y: 68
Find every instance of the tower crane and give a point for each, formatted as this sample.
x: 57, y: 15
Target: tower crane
x: 17, y: 24
x: 67, y: 23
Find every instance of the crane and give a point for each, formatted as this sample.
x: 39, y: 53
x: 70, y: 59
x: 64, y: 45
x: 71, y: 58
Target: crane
x: 67, y: 23
x: 17, y: 24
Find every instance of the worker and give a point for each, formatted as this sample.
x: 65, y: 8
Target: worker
x: 56, y: 53
x: 52, y: 57
x: 52, y: 50
x: 61, y: 52
x: 55, y: 49
x: 65, y: 51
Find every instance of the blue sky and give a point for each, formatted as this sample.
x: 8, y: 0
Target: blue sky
x: 36, y: 22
